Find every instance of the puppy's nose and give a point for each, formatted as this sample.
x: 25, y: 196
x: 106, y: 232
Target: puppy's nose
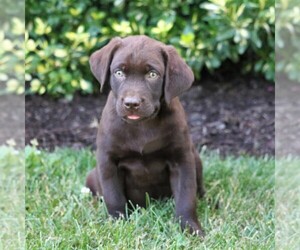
x: 132, y: 102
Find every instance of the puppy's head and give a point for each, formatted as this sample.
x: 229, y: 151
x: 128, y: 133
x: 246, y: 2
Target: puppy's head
x: 142, y: 73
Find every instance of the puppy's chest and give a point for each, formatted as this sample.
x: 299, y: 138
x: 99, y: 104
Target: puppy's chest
x: 148, y: 159
x: 145, y: 142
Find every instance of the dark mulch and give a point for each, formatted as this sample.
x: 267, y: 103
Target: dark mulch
x: 287, y: 117
x: 236, y: 116
x: 12, y: 123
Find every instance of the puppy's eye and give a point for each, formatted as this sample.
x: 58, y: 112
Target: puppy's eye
x: 152, y: 75
x: 119, y: 74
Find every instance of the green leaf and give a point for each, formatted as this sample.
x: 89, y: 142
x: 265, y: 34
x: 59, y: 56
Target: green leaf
x: 35, y: 84
x: 18, y: 26
x: 60, y: 53
x: 30, y: 45
x: 210, y: 7
x: 123, y: 27
x: 7, y: 45
x: 187, y: 37
x: 225, y: 35
x: 240, y: 10
x: 41, y: 27
x: 3, y: 77
x: 12, y: 85
x: 85, y: 85
x: 75, y: 12
x: 256, y: 40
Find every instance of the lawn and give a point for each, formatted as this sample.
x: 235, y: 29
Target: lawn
x: 60, y: 216
x: 12, y: 198
x: 287, y: 203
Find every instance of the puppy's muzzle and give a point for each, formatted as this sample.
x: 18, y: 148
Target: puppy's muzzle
x: 132, y: 103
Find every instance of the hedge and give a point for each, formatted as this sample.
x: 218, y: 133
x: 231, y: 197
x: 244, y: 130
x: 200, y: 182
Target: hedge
x: 287, y: 38
x: 61, y: 34
x: 12, y: 31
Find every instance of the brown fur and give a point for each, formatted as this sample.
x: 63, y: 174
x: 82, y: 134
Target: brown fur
x: 153, y: 154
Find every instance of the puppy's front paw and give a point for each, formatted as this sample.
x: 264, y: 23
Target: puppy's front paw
x: 200, y: 233
x: 193, y: 227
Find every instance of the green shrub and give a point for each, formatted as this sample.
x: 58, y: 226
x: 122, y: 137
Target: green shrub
x: 287, y: 38
x: 63, y: 33
x: 12, y: 47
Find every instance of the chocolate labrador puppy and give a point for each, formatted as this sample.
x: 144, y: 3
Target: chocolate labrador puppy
x: 143, y: 141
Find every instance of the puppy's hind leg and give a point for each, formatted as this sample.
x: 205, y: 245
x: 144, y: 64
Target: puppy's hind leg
x: 93, y: 183
x: 199, y: 173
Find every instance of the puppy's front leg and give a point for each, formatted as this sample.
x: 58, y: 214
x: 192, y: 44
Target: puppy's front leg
x: 112, y: 190
x: 184, y: 188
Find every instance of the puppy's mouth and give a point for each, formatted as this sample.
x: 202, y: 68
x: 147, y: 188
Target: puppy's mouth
x: 132, y: 118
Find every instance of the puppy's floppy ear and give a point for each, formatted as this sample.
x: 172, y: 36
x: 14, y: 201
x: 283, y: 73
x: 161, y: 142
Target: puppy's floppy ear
x: 178, y: 76
x: 101, y: 59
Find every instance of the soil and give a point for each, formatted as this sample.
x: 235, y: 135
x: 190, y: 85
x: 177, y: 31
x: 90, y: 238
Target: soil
x: 12, y: 123
x: 287, y: 117
x: 234, y: 116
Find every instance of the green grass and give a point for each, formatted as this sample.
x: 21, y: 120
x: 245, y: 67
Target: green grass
x: 60, y: 216
x: 12, y: 199
x: 287, y: 203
